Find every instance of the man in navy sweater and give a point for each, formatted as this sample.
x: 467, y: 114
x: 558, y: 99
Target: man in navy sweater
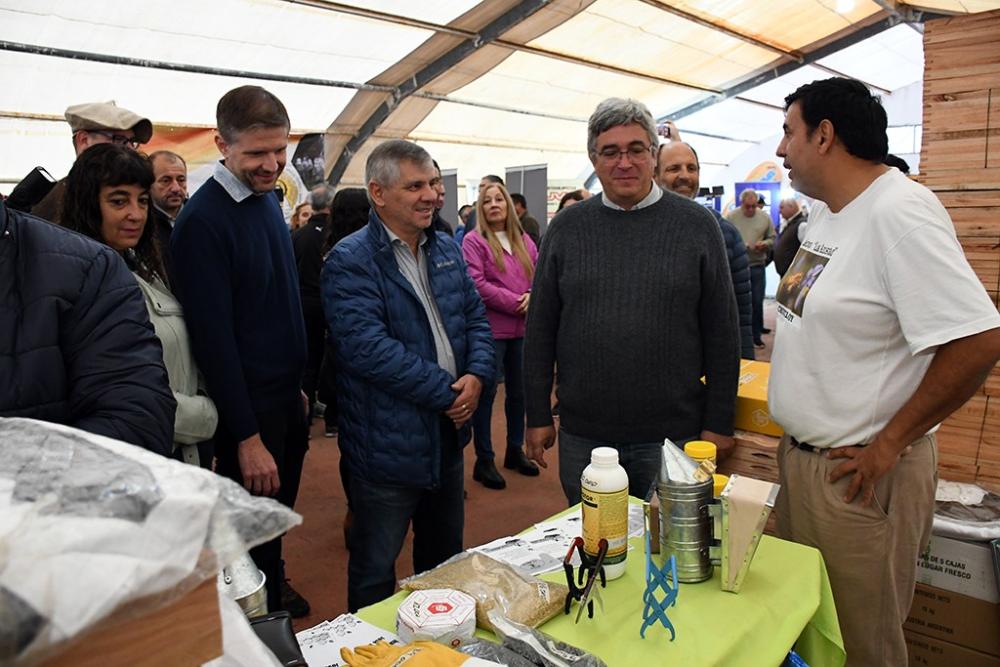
x: 237, y: 280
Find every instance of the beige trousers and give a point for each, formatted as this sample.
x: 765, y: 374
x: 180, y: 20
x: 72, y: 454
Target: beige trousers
x: 870, y: 552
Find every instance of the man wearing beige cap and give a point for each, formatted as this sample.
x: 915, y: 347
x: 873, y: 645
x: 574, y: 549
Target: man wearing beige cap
x: 95, y: 123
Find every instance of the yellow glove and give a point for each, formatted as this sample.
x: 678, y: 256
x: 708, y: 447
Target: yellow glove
x: 417, y: 654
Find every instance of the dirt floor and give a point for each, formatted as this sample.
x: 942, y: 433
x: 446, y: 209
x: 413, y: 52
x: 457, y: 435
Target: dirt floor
x: 315, y: 553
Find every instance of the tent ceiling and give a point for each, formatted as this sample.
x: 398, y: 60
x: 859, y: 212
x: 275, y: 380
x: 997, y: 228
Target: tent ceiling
x: 274, y: 37
x: 484, y: 84
x: 636, y: 36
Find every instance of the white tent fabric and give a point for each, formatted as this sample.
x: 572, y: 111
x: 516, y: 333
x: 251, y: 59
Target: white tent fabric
x: 521, y: 99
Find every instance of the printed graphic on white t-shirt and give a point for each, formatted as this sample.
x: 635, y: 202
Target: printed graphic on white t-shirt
x: 805, y: 270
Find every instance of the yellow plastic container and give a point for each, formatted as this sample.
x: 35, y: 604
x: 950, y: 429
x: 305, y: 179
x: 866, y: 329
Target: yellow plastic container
x: 700, y: 450
x: 719, y: 483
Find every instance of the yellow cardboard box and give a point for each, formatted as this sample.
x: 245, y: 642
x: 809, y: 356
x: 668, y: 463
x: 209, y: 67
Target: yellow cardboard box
x: 752, y: 413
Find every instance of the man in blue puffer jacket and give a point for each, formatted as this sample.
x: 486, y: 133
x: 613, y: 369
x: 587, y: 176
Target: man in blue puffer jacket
x: 413, y: 346
x: 76, y: 345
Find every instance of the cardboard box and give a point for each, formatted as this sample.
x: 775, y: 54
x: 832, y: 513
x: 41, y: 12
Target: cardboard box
x: 955, y: 618
x: 960, y: 567
x: 929, y: 652
x: 752, y: 413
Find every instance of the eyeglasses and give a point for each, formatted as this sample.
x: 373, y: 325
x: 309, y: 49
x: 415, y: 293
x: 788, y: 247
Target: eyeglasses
x: 635, y: 153
x: 117, y: 139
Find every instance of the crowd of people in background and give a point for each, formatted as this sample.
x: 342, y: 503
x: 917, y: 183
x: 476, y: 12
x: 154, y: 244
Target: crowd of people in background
x: 211, y: 330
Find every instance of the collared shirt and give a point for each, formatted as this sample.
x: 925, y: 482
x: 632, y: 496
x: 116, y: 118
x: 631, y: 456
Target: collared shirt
x: 654, y: 196
x: 236, y: 188
x: 166, y: 215
x: 414, y: 269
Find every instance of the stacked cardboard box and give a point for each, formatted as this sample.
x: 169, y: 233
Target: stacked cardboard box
x: 955, y: 616
x: 961, y: 567
x: 945, y: 629
x: 960, y: 161
x: 752, y: 413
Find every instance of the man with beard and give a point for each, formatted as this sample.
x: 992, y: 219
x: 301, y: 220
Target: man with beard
x: 168, y: 192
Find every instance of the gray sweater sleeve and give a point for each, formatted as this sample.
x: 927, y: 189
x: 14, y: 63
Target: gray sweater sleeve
x: 720, y: 332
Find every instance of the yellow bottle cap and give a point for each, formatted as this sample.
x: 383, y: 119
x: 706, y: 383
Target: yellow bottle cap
x: 719, y: 483
x: 699, y: 450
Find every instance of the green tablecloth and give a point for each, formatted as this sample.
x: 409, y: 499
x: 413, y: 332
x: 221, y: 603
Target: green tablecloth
x: 785, y: 601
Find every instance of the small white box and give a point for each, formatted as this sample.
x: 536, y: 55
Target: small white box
x: 960, y: 567
x: 437, y: 614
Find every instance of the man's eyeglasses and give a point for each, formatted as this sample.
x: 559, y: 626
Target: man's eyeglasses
x: 118, y: 139
x: 635, y: 153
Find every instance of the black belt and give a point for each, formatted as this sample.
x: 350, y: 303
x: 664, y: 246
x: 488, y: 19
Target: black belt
x: 806, y: 447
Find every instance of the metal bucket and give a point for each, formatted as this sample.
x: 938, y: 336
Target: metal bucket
x: 244, y: 582
x: 686, y: 528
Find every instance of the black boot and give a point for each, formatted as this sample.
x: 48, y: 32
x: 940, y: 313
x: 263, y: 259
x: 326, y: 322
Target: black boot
x: 291, y: 601
x: 486, y: 473
x: 516, y: 460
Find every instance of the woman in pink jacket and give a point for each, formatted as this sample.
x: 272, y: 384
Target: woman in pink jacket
x: 501, y: 259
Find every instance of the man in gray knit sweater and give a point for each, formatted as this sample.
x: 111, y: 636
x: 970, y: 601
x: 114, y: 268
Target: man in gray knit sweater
x: 633, y: 301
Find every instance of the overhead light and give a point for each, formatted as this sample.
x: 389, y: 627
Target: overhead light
x: 845, y: 6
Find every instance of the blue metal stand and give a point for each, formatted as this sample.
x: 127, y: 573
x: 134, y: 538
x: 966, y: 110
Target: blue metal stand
x: 657, y: 579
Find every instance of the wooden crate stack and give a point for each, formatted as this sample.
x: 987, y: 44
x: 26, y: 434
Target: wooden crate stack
x: 960, y: 161
x: 755, y: 455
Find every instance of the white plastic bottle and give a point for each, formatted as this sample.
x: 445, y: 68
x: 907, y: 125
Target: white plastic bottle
x: 604, y: 491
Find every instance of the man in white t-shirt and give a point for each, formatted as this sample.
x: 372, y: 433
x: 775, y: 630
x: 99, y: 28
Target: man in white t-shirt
x: 883, y: 331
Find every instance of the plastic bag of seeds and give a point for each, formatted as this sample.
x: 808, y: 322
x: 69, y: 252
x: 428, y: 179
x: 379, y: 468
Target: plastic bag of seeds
x: 495, y: 585
x: 487, y: 650
x: 538, y: 647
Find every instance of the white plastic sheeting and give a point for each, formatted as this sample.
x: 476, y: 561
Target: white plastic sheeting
x: 89, y: 524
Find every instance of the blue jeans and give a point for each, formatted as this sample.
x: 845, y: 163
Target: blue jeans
x: 640, y: 460
x: 509, y: 361
x: 757, y: 284
x: 382, y: 515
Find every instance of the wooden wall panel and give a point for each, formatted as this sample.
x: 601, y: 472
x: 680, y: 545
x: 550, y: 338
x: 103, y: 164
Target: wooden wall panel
x: 960, y: 161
